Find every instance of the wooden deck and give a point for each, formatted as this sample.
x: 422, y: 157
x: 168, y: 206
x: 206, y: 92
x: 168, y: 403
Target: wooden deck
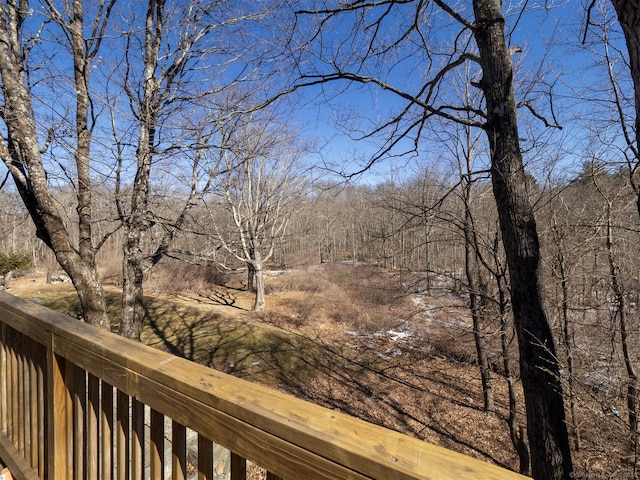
x: 77, y: 402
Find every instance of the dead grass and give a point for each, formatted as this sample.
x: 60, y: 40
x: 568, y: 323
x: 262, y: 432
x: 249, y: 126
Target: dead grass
x: 352, y: 340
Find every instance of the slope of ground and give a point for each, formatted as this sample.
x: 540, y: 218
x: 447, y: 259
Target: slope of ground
x: 353, y: 342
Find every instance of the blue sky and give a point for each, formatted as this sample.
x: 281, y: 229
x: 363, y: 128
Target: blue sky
x: 549, y: 36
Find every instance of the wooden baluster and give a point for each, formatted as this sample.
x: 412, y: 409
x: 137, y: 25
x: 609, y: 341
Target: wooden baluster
x: 77, y: 382
x: 205, y: 458
x: 22, y: 393
x: 137, y: 440
x: 3, y: 379
x: 178, y: 451
x: 123, y: 431
x: 33, y: 406
x: 106, y: 434
x: 41, y: 369
x: 238, y: 467
x: 20, y: 405
x: 58, y: 465
x: 14, y: 399
x: 156, y: 450
x: 93, y: 433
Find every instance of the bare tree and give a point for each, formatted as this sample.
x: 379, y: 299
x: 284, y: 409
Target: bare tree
x: 627, y: 123
x: 402, y: 33
x: 562, y: 269
x: 29, y: 139
x: 478, y: 288
x: 177, y: 87
x: 260, y: 183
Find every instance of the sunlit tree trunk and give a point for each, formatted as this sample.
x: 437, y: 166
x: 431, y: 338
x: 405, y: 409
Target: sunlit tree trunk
x: 259, y: 303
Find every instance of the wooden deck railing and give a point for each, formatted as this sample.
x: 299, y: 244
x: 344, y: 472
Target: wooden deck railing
x: 81, y: 403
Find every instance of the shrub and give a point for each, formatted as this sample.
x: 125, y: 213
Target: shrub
x: 14, y: 262
x: 173, y: 277
x: 368, y: 286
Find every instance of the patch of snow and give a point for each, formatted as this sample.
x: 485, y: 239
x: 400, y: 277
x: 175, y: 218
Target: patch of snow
x: 398, y: 335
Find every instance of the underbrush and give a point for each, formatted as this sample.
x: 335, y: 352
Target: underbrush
x: 175, y: 277
x: 363, y: 299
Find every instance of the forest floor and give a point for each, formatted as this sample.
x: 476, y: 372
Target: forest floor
x: 353, y: 339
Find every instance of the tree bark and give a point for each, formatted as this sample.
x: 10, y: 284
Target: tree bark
x: 251, y: 273
x: 539, y: 369
x: 629, y: 17
x: 259, y: 303
x: 21, y: 154
x: 132, y: 288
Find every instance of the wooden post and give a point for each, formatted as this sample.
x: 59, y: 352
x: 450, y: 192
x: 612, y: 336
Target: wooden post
x: 3, y: 380
x: 106, y: 431
x: 123, y: 436
x: 137, y: 440
x: 92, y: 434
x: 77, y: 381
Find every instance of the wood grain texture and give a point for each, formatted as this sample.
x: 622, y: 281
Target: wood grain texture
x: 178, y: 451
x: 92, y: 431
x: 205, y: 458
x: 137, y: 440
x: 123, y: 436
x: 106, y: 431
x: 58, y: 465
x: 156, y: 445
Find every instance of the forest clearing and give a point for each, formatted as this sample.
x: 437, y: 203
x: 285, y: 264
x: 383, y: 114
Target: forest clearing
x: 353, y: 339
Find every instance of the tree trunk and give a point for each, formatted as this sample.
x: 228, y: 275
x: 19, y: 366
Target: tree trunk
x: 137, y: 222
x: 476, y: 291
x: 259, y: 303
x: 568, y: 346
x: 89, y: 288
x: 132, y: 289
x: 516, y: 432
x: 621, y: 311
x: 251, y: 273
x: 539, y: 369
x: 629, y: 17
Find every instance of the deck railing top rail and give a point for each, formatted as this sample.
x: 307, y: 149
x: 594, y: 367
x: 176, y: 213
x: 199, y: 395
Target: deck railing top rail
x: 289, y: 437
